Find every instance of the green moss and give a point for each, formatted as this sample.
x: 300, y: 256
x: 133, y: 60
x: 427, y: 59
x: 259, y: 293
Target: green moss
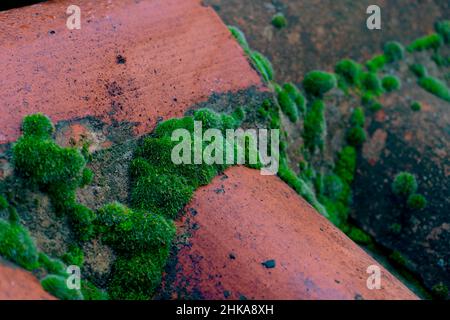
x: 38, y: 126
x: 432, y: 41
x: 161, y: 193
x: 263, y: 65
x: 346, y: 164
x: 371, y: 83
x: 356, y: 136
x: 436, y: 87
x: 57, y: 286
x: 87, y: 177
x: 395, y: 228
x: 317, y: 83
x: 82, y: 221
x: 443, y: 29
x: 279, y: 20
x: 419, y: 70
x: 404, y: 184
x: 358, y: 118
x: 416, y: 106
x: 296, y: 96
x: 440, y: 291
x: 238, y: 116
x: 240, y: 37
x: 91, y: 292
x: 300, y: 186
x: 391, y: 83
x: 398, y: 258
x: 54, y: 266
x: 359, y: 236
x: 416, y: 202
x: 74, y: 256
x: 135, y: 278
x: 349, y: 70
x: 440, y: 60
x: 43, y: 162
x: 3, y: 203
x: 376, y: 63
x: 393, y: 51
x: 16, y: 245
x: 376, y: 107
x: 315, y: 128
x: 128, y: 230
x: 332, y: 186
x: 288, y: 106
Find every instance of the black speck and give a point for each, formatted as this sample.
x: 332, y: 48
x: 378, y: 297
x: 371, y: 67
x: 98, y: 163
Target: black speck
x: 269, y: 264
x: 52, y: 32
x: 121, y: 59
x: 232, y: 256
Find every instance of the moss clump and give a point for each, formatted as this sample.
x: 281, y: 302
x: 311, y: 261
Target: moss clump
x: 240, y: 37
x: 55, y: 170
x: 300, y: 186
x: 91, y: 292
x: 419, y: 70
x: 315, y: 127
x: 432, y: 41
x: 74, y: 256
x: 57, y: 286
x: 346, y: 164
x: 135, y: 278
x: 358, y: 118
x: 393, y: 51
x: 128, y: 230
x: 16, y: 245
x: 440, y: 291
x: 87, y: 177
x: 44, y: 163
x: 296, y: 96
x: 391, y: 83
x: 263, y: 65
x: 371, y: 83
x: 436, y: 87
x: 82, y: 221
x: 416, y: 106
x: 317, y: 83
x: 443, y: 29
x: 279, y: 21
x: 161, y: 193
x: 359, y: 236
x: 288, y: 106
x: 404, y: 184
x: 53, y: 266
x: 398, y: 258
x: 356, y: 136
x: 3, y: 203
x: 416, y: 202
x: 374, y: 107
x: 38, y: 126
x: 376, y: 63
x: 348, y: 70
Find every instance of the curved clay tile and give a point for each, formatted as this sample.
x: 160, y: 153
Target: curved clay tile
x: 251, y: 236
x: 131, y: 61
x: 18, y: 284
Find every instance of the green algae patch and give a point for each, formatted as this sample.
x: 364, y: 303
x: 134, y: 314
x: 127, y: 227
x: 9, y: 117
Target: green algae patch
x: 404, y: 184
x: 391, y: 83
x: 240, y: 38
x: 315, y: 127
x: 416, y: 106
x: 349, y: 71
x: 393, y: 51
x: 376, y: 63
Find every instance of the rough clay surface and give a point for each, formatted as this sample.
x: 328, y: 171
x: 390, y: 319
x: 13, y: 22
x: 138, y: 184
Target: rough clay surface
x: 18, y: 284
x: 132, y: 61
x: 242, y: 220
